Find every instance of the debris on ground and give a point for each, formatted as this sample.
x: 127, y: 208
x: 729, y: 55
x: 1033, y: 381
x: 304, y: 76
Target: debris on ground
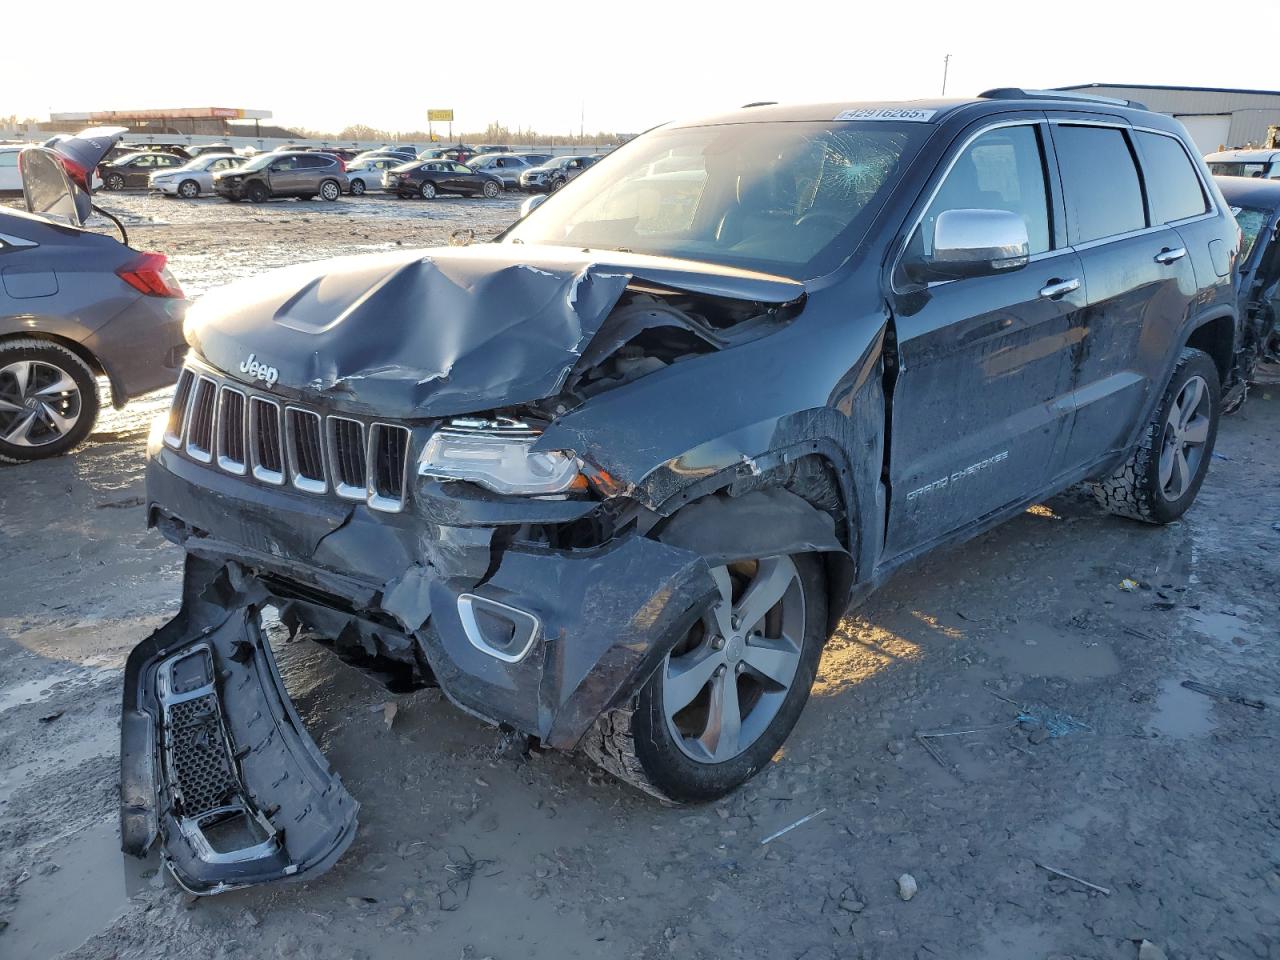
x: 1218, y: 693
x: 1068, y: 876
x: 1129, y: 586
x: 1149, y: 951
x: 1055, y: 723
x: 907, y: 886
x: 790, y: 827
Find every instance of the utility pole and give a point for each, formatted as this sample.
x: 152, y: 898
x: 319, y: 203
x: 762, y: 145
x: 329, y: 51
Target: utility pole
x: 946, y: 62
x: 582, y: 119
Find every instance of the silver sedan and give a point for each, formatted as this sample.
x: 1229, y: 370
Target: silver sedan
x: 194, y: 178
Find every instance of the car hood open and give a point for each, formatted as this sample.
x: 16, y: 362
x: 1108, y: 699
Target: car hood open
x: 430, y: 333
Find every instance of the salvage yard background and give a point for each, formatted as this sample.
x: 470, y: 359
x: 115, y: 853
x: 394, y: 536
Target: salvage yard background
x: 1166, y: 797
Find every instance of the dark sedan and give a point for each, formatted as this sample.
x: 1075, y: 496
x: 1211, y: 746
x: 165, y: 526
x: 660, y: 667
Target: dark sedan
x: 426, y: 178
x: 1256, y: 205
x: 135, y: 169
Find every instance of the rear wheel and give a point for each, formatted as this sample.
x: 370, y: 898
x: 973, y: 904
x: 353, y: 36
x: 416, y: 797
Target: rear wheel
x: 188, y: 189
x: 427, y: 191
x: 258, y: 193
x: 357, y: 187
x: 48, y: 400
x: 731, y: 690
x: 330, y: 190
x: 1159, y: 482
x: 491, y: 189
x: 114, y: 181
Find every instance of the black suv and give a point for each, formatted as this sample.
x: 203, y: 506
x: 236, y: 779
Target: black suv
x: 611, y: 480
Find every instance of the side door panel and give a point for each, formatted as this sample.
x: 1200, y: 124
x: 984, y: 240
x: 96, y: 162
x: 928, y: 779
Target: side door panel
x: 984, y: 363
x: 1139, y: 282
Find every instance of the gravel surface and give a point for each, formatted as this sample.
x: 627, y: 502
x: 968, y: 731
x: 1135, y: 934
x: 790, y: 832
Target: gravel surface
x: 1166, y: 798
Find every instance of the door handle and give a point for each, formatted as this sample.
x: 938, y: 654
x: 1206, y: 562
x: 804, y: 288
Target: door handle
x: 1057, y: 289
x: 1168, y: 256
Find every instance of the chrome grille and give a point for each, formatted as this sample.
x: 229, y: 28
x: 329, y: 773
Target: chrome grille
x: 200, y: 420
x: 231, y: 431
x: 242, y: 432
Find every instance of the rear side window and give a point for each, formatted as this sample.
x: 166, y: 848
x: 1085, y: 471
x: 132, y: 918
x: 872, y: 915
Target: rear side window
x: 1001, y: 170
x: 1100, y: 182
x: 1173, y: 188
x: 314, y: 162
x: 9, y: 158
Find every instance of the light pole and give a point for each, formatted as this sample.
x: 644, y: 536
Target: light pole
x: 946, y: 61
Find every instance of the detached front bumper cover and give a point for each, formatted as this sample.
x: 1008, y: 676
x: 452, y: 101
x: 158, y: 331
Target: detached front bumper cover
x: 215, y: 762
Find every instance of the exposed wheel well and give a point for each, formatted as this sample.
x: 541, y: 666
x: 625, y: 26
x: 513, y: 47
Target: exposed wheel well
x: 77, y: 348
x: 1216, y: 337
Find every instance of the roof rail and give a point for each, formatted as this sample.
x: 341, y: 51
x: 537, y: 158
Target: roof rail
x: 1017, y: 93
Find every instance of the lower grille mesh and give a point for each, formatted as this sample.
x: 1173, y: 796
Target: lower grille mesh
x: 201, y: 763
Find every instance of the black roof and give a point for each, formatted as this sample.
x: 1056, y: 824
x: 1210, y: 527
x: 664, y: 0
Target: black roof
x: 1156, y: 86
x: 1250, y: 191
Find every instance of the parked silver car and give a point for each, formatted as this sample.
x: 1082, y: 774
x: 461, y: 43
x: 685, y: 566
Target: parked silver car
x: 195, y: 177
x: 554, y: 174
x: 366, y: 174
x: 507, y: 167
x: 301, y: 175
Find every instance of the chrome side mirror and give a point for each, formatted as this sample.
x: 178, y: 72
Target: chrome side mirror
x: 975, y: 243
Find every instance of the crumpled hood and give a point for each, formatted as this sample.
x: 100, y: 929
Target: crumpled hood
x: 428, y: 333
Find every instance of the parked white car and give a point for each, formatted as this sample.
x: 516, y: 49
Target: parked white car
x: 194, y: 177
x: 1261, y: 163
x: 9, y: 177
x: 366, y: 174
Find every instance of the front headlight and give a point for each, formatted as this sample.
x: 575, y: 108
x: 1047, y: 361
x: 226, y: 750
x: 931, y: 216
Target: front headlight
x: 162, y: 178
x: 503, y: 464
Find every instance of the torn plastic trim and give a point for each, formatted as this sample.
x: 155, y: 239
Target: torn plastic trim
x: 215, y: 761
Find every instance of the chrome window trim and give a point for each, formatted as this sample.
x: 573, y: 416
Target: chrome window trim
x: 197, y: 453
x: 375, y: 500
x: 260, y: 472
x: 306, y: 484
x: 344, y: 490
x: 225, y: 462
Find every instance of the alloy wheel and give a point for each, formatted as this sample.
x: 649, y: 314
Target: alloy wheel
x: 189, y: 189
x: 39, y: 403
x: 725, y: 682
x: 1186, y: 431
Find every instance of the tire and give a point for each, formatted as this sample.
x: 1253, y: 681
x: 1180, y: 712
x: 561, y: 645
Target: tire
x: 491, y: 189
x: 114, y: 181
x: 188, y: 189
x: 666, y: 756
x: 330, y: 190
x: 55, y: 422
x: 258, y: 193
x: 427, y: 191
x: 357, y: 187
x: 1159, y: 482
x: 556, y: 185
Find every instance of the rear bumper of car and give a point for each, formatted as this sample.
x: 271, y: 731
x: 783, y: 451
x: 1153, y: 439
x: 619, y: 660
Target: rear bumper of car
x: 141, y: 348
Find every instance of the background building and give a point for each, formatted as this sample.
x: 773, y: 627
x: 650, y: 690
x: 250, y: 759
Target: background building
x: 1216, y: 118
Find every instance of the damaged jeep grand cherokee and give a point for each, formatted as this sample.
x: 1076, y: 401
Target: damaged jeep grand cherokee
x: 611, y: 480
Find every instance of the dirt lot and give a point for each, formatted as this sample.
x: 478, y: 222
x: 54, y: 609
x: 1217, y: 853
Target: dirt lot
x: 1167, y: 798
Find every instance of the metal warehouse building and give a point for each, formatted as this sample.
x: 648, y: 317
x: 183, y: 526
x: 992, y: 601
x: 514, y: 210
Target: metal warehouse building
x: 1216, y: 118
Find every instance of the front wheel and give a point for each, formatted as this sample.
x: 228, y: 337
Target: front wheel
x: 556, y: 185
x: 427, y: 191
x: 357, y: 187
x: 188, y: 189
x: 114, y: 181
x: 1159, y: 482
x: 329, y: 190
x: 731, y: 689
x: 48, y: 400
x: 490, y: 189
x: 258, y: 193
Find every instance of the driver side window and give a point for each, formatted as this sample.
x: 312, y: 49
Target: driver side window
x: 1003, y: 169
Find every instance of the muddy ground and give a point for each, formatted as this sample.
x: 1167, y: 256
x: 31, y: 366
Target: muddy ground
x: 1167, y: 798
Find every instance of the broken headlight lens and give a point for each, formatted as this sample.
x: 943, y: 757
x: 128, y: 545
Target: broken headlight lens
x: 503, y: 464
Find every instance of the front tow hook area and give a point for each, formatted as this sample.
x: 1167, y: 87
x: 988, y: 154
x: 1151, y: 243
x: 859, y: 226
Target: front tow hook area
x: 215, y: 762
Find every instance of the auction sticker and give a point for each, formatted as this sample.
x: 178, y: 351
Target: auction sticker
x: 911, y: 114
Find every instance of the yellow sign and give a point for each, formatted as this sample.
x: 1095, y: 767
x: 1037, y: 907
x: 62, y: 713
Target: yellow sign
x: 441, y: 115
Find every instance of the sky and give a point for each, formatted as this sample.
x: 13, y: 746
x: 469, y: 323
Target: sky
x: 614, y: 66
